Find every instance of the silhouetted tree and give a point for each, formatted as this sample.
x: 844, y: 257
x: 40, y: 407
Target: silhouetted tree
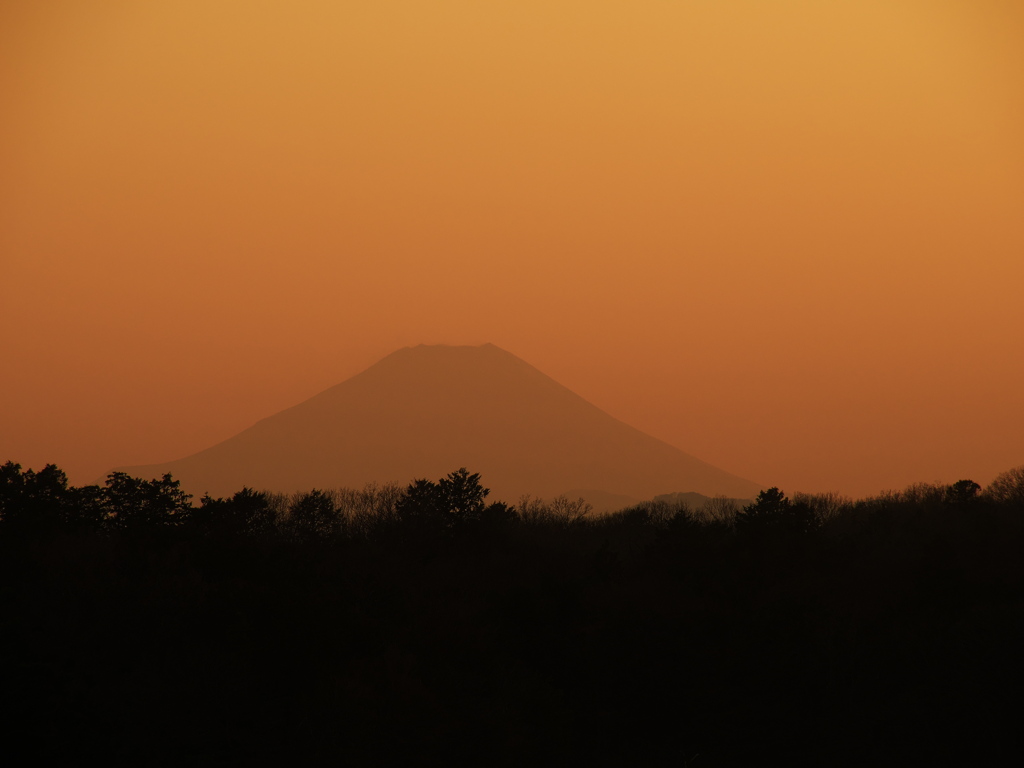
x: 32, y: 502
x: 773, y: 512
x: 1008, y: 487
x: 570, y: 511
x: 42, y: 503
x: 499, y: 513
x: 457, y: 498
x: 369, y: 510
x: 962, y: 492
x: 560, y: 511
x: 421, y: 505
x: 247, y: 513
x: 825, y: 506
x: 718, y: 509
x: 136, y: 505
x: 462, y: 496
x: 313, y: 515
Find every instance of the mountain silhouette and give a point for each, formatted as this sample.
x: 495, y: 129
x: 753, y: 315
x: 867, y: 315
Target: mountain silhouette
x: 424, y: 411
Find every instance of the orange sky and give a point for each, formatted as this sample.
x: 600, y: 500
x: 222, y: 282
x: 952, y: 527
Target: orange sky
x: 785, y: 237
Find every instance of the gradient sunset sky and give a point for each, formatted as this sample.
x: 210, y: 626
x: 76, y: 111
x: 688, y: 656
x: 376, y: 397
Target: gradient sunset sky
x: 786, y: 237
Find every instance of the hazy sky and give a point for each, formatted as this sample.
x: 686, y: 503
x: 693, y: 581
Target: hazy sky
x: 786, y: 237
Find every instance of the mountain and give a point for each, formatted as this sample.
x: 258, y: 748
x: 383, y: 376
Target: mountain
x: 425, y: 411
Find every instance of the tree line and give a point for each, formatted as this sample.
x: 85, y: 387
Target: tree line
x: 43, y: 502
x: 430, y: 625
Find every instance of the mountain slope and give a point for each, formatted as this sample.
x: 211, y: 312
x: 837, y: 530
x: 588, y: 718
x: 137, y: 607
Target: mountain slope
x: 427, y: 410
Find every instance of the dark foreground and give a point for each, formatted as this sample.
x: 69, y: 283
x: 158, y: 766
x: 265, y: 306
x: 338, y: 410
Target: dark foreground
x: 421, y: 627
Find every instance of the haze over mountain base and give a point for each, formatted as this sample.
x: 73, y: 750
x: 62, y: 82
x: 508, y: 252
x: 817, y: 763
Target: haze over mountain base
x: 427, y: 410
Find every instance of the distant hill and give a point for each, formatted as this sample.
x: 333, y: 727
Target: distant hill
x: 425, y: 411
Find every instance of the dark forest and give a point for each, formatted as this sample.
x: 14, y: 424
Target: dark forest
x: 430, y: 625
